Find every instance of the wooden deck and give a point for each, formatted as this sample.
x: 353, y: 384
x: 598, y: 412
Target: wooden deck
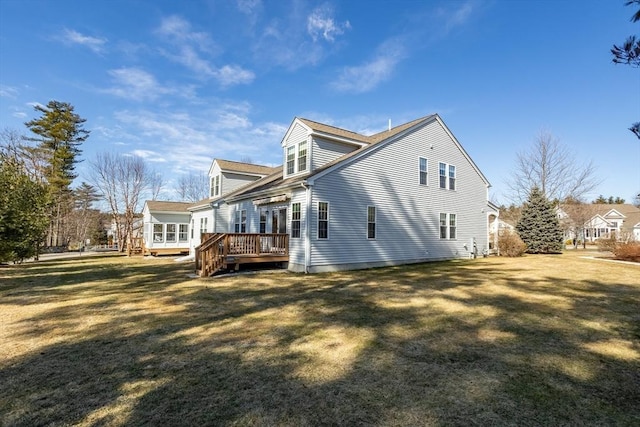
x: 220, y: 251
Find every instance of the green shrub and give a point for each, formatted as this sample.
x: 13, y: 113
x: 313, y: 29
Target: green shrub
x: 510, y: 244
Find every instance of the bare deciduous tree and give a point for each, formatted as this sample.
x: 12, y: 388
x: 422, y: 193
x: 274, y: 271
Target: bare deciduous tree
x: 192, y: 187
x: 122, y: 181
x: 553, y: 169
x: 578, y: 213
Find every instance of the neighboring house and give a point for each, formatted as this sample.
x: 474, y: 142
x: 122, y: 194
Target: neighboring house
x: 620, y: 220
x: 346, y: 200
x: 608, y: 220
x: 166, y: 227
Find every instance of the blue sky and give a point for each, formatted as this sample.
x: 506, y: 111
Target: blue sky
x: 180, y: 83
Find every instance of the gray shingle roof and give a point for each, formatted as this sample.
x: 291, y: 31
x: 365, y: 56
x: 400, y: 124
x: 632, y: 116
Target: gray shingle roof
x: 231, y: 166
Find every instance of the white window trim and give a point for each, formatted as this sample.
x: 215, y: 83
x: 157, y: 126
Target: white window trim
x: 297, y: 220
x: 186, y: 233
x: 425, y: 172
x: 447, y: 171
x: 174, y: 232
x: 447, y: 226
x: 318, y: 221
x: 154, y: 232
x: 375, y: 222
x: 296, y: 158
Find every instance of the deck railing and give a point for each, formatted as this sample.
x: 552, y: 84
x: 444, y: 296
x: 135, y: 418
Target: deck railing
x: 219, y: 249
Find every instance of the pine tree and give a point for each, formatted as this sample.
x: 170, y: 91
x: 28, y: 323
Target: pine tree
x: 539, y: 227
x: 23, y: 211
x: 59, y: 134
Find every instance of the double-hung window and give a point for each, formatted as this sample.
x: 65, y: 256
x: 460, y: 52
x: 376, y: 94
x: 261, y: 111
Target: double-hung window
x: 241, y: 221
x: 448, y: 225
x: 323, y: 220
x: 442, y: 168
x: 215, y: 186
x: 452, y: 226
x: 291, y: 159
x: 263, y: 221
x: 302, y: 156
x: 443, y: 225
x: 297, y: 156
x: 447, y: 175
x: 203, y: 225
x: 296, y: 217
x: 158, y: 233
x: 424, y: 169
x: 452, y: 177
x: 371, y: 222
x: 171, y: 232
x: 183, y: 232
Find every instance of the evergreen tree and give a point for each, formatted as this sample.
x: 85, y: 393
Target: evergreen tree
x: 59, y: 134
x: 23, y: 211
x: 539, y: 227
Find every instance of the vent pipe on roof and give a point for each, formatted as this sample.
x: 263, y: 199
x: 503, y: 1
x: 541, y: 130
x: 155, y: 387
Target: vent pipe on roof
x: 389, y: 124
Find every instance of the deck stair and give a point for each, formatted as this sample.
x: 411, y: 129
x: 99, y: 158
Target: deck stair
x: 220, y: 251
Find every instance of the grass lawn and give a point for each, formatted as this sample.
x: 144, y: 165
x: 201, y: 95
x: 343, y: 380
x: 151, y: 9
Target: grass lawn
x: 540, y: 340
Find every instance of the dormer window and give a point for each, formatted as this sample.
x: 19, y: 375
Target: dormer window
x: 215, y: 186
x: 302, y: 156
x: 291, y: 159
x: 297, y: 155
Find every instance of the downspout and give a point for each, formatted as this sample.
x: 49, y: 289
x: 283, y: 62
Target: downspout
x: 307, y: 226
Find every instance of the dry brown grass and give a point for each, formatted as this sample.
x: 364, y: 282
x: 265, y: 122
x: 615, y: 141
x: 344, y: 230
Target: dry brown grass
x: 538, y: 340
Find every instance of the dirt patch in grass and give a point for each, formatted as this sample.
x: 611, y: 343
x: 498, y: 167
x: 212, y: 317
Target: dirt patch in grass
x: 539, y: 340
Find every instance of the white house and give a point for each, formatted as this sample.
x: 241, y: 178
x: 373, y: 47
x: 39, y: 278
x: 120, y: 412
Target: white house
x: 620, y: 220
x: 166, y: 227
x: 346, y: 200
x: 211, y: 215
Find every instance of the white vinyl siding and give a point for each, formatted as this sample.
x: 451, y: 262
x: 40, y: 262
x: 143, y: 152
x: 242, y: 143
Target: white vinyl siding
x: 407, y: 220
x: 324, y: 151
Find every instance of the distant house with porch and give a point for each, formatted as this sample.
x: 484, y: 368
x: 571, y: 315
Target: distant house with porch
x: 621, y: 221
x: 166, y: 227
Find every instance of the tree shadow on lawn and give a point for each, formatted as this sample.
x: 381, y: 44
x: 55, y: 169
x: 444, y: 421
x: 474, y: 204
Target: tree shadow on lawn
x: 24, y: 284
x: 429, y: 345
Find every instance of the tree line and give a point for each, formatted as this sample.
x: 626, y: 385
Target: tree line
x: 39, y: 207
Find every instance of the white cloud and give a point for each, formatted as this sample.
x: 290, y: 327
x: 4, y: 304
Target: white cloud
x: 233, y: 74
x: 321, y: 23
x: 461, y: 15
x: 366, y: 77
x: 96, y: 44
x: 8, y: 92
x: 249, y: 7
x: 148, y: 155
x: 191, y: 48
x: 191, y: 141
x: 139, y: 85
